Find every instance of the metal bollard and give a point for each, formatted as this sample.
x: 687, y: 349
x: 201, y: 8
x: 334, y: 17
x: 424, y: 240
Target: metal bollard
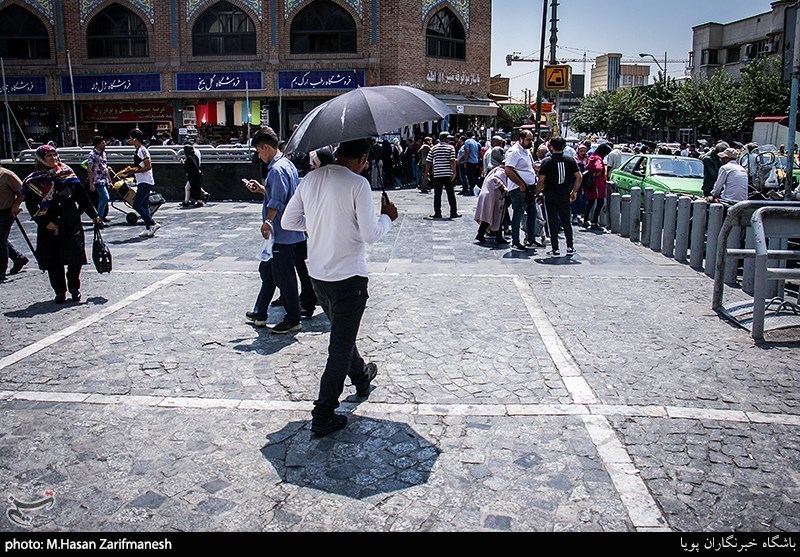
x: 682, y: 232
x: 732, y: 264
x: 748, y: 275
x: 670, y: 218
x: 716, y: 215
x: 657, y: 221
x: 699, y: 208
x: 647, y: 216
x: 636, y: 215
x: 625, y: 216
x: 603, y: 220
x: 614, y: 211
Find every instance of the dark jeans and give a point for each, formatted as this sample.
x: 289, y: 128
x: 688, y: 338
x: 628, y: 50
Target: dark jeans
x: 558, y: 214
x: 279, y: 272
x: 344, y: 302
x: 60, y: 283
x: 438, y: 185
x: 598, y: 206
x: 472, y: 175
x: 308, y: 300
x: 522, y: 203
x: 6, y: 249
x: 141, y: 203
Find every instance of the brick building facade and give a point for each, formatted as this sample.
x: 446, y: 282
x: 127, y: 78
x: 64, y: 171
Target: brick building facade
x: 172, y: 64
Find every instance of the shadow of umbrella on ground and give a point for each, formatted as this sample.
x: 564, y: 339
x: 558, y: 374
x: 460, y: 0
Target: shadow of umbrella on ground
x: 366, y: 458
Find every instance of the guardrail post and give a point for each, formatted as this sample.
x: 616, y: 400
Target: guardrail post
x: 682, y: 233
x: 636, y: 215
x: 716, y: 214
x: 699, y: 208
x: 748, y: 275
x: 625, y: 216
x: 670, y: 217
x: 647, y: 217
x: 775, y: 287
x: 614, y: 211
x: 657, y: 221
x: 732, y: 265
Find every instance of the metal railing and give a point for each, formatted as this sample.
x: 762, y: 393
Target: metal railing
x: 158, y: 154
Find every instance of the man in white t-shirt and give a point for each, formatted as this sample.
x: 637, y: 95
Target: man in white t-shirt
x: 732, y: 183
x: 521, y: 183
x: 333, y: 204
x: 143, y: 174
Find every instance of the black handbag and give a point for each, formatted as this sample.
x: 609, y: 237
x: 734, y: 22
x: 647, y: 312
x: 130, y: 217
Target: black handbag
x: 101, y: 255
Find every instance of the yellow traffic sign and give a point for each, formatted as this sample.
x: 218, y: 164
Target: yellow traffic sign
x: 557, y: 78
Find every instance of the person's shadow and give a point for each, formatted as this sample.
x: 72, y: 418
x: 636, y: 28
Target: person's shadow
x: 42, y: 308
x: 366, y: 458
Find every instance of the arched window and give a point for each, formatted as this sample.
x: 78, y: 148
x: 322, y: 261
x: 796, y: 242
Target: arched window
x: 223, y: 29
x: 323, y: 27
x: 445, y: 36
x: 117, y: 32
x: 22, y: 34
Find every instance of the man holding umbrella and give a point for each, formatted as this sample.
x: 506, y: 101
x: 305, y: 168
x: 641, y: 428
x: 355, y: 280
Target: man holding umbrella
x: 334, y: 205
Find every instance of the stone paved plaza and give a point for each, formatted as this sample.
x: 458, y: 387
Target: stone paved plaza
x: 515, y: 392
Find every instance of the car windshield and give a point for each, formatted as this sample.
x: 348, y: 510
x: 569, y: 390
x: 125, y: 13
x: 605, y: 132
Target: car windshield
x: 676, y: 167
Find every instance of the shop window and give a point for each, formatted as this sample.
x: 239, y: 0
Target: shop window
x: 223, y: 30
x: 22, y: 35
x: 322, y: 27
x: 117, y: 32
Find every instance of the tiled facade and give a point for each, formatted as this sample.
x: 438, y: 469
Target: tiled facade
x: 391, y: 50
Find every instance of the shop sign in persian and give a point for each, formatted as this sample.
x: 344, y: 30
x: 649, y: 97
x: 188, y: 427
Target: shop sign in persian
x: 24, y: 85
x: 112, y: 84
x: 218, y: 81
x: 321, y: 79
x: 139, y: 112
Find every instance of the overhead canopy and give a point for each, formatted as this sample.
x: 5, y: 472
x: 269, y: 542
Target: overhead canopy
x: 469, y: 106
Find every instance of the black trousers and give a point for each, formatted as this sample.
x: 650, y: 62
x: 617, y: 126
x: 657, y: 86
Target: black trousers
x: 279, y: 272
x: 6, y: 249
x: 558, y: 214
x: 344, y: 302
x: 308, y: 300
x: 440, y: 184
x: 598, y: 206
x: 59, y: 282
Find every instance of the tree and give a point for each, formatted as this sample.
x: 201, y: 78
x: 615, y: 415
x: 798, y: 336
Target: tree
x: 762, y: 91
x: 627, y: 109
x: 517, y: 112
x: 662, y: 108
x: 711, y: 105
x: 592, y: 113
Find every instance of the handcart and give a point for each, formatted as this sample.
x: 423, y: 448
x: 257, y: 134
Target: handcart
x: 125, y: 189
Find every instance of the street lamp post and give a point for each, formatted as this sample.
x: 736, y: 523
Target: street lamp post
x: 663, y: 69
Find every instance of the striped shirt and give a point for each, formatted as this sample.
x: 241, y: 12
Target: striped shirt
x: 440, y: 158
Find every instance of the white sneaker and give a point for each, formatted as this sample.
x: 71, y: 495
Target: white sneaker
x: 152, y: 229
x: 145, y: 233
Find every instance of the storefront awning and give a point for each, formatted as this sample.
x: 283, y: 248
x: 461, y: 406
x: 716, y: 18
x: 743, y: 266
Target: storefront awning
x: 469, y: 106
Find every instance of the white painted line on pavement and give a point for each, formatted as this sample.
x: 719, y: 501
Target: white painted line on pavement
x: 567, y: 368
x: 707, y: 414
x: 642, y: 508
x: 92, y: 319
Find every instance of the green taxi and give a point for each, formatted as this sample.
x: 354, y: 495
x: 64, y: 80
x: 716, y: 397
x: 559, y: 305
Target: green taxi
x: 670, y: 174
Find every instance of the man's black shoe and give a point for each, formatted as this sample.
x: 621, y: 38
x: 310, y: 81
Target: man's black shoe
x: 283, y: 327
x: 18, y: 265
x: 455, y: 216
x: 481, y: 238
x: 76, y: 295
x: 277, y: 302
x: 434, y: 216
x: 501, y: 241
x: 307, y: 313
x: 326, y: 427
x: 518, y: 247
x: 60, y: 298
x: 362, y: 389
x: 2, y: 278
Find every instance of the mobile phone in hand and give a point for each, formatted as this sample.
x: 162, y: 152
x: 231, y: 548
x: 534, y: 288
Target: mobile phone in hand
x: 247, y: 184
x: 385, y: 198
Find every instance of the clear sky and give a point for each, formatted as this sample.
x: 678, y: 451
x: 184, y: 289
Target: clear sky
x: 626, y: 26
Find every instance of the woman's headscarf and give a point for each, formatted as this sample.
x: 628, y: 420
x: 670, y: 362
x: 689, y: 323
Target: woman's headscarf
x: 42, y: 185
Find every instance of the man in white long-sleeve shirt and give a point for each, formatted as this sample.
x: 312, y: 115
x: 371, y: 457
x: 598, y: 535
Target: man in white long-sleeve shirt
x: 334, y: 205
x: 732, y: 182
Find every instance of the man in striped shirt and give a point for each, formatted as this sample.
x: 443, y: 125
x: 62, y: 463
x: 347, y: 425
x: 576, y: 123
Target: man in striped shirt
x: 442, y: 159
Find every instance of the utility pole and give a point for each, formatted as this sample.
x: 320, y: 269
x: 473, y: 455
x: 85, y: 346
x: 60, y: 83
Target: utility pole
x: 791, y: 140
x: 540, y: 92
x: 554, y: 43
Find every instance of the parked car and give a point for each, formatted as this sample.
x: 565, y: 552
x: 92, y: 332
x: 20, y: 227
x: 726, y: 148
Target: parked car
x: 678, y: 175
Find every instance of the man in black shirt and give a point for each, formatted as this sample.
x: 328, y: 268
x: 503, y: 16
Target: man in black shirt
x: 555, y: 175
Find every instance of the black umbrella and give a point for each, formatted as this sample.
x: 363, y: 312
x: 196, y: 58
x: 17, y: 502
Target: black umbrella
x: 365, y: 112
